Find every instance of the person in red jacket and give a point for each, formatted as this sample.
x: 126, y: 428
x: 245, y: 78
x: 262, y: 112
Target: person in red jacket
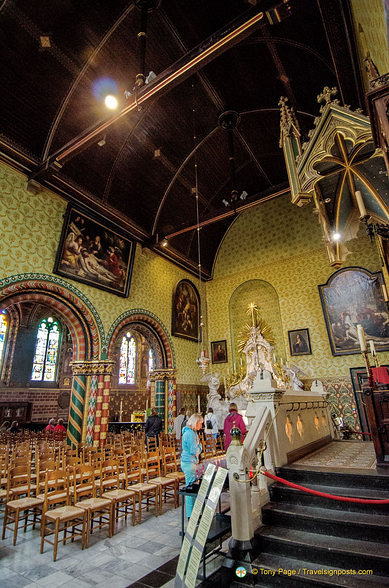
x: 233, y: 419
x: 59, y: 426
x: 50, y: 426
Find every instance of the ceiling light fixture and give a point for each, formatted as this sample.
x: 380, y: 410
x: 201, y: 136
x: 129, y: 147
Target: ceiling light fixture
x: 111, y: 102
x: 336, y: 237
x: 164, y: 243
x: 228, y: 121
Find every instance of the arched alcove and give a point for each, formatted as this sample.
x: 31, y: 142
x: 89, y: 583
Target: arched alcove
x: 27, y: 299
x: 265, y: 297
x: 149, y: 333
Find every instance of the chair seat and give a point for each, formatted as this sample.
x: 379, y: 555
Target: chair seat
x: 57, y: 497
x: 176, y: 475
x: 25, y: 503
x: 143, y: 486
x: 64, y: 513
x: 162, y: 480
x: 119, y: 494
x: 91, y: 503
x: 23, y: 489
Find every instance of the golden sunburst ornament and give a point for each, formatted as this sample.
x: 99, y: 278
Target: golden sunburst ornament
x: 258, y: 323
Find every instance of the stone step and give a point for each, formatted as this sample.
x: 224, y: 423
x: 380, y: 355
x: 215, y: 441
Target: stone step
x: 328, y: 550
x: 366, y: 479
x: 281, y: 492
x: 356, y: 525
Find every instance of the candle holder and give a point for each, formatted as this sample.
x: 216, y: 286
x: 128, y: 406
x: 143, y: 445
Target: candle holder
x: 365, y: 356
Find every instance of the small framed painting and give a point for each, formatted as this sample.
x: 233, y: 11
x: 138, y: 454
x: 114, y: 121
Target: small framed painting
x: 219, y: 351
x: 299, y: 342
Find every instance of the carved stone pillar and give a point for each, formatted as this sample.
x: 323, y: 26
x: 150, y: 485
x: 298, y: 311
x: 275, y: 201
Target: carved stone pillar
x: 163, y: 395
x: 88, y: 421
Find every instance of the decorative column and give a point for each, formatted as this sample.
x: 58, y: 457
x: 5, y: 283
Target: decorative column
x: 163, y: 397
x: 93, y: 376
x: 77, y: 401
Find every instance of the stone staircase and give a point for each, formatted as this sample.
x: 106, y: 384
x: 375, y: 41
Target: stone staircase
x: 308, y: 540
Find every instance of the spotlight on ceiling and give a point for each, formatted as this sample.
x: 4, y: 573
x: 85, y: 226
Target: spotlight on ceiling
x: 111, y: 102
x: 244, y: 195
x: 225, y: 202
x: 164, y: 243
x: 101, y: 143
x: 336, y: 237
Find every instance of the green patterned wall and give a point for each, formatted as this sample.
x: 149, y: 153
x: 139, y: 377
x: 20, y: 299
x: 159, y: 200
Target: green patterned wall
x: 282, y: 244
x: 31, y: 227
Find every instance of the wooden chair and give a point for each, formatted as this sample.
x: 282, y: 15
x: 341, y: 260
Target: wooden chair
x: 170, y: 466
x: 18, y: 485
x: 145, y: 492
x: 168, y: 487
x: 124, y: 500
x: 59, y: 519
x: 99, y: 510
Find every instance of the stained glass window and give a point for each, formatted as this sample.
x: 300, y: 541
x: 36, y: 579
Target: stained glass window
x: 44, y: 368
x: 3, y: 332
x: 151, y: 360
x: 127, y: 366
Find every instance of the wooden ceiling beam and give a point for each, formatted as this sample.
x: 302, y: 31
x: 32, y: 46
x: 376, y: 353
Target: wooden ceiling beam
x: 196, y: 59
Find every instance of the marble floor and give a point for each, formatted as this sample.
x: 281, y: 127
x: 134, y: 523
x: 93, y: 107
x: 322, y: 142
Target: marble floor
x: 130, y: 555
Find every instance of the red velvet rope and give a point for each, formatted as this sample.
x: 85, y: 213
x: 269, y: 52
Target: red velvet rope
x: 358, y: 433
x: 323, y: 494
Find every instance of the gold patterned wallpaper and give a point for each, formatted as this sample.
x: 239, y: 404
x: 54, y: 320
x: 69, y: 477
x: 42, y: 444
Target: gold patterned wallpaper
x: 30, y: 232
x: 282, y: 245
x: 371, y: 15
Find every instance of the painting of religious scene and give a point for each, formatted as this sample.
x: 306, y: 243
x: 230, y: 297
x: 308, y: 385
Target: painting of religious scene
x: 186, y: 311
x: 352, y: 297
x: 92, y: 252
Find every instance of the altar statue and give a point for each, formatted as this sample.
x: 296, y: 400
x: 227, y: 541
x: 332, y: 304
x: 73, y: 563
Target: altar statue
x: 214, y: 400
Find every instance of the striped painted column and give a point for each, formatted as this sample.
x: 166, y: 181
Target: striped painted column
x: 171, y: 404
x: 90, y: 422
x: 88, y: 418
x: 99, y: 405
x: 105, y: 409
x: 163, y: 381
x: 76, y: 409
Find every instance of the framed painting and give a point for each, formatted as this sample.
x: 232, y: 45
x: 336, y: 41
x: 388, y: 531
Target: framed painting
x: 186, y: 311
x: 354, y: 296
x: 94, y: 252
x: 299, y: 342
x: 219, y: 351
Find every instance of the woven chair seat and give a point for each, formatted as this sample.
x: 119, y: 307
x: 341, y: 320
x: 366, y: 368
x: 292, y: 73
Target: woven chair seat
x: 24, y: 489
x: 142, y: 486
x: 92, y: 503
x: 176, y: 475
x: 162, y: 480
x: 25, y: 503
x: 118, y: 494
x: 64, y: 513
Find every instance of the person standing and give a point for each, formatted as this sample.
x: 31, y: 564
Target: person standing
x: 191, y: 450
x: 177, y: 425
x: 153, y: 425
x: 211, y: 426
x: 233, y: 419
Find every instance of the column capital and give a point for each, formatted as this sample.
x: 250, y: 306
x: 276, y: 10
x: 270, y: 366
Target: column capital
x: 92, y: 367
x: 162, y: 374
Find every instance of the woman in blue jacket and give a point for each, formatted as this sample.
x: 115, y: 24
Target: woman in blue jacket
x: 191, y: 449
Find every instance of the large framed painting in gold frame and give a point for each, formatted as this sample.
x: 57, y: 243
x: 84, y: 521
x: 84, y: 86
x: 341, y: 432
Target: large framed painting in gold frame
x: 186, y: 311
x: 94, y: 251
x: 350, y: 297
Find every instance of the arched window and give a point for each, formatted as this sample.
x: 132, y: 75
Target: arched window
x: 44, y: 368
x: 3, y: 333
x: 127, y: 366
